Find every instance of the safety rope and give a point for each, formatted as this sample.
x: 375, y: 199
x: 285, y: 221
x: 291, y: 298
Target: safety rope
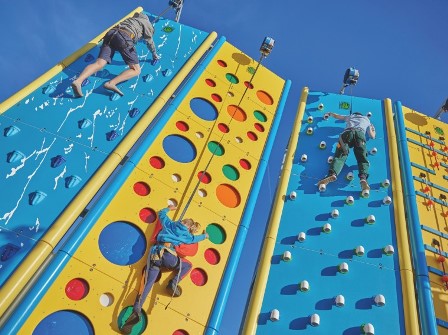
x: 203, y: 172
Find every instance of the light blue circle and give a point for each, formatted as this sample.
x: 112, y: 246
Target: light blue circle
x: 179, y: 148
x: 122, y: 243
x: 64, y: 322
x: 203, y: 109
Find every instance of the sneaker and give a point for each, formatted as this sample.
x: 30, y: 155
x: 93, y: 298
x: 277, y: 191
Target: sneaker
x: 174, y: 290
x: 113, y: 88
x: 132, y: 320
x: 324, y: 182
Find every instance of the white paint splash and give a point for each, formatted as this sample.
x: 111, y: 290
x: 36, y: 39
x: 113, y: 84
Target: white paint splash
x: 60, y: 176
x: 35, y: 226
x: 69, y: 148
x: 87, y: 157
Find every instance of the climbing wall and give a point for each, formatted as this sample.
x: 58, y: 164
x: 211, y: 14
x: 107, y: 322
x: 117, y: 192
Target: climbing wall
x: 428, y: 153
x: 331, y: 264
x: 207, y: 151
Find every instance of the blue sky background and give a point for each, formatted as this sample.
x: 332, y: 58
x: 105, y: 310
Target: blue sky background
x: 400, y: 48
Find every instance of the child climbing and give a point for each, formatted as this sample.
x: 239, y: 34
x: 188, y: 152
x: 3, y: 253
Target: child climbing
x: 354, y: 137
x: 121, y: 38
x: 163, y: 255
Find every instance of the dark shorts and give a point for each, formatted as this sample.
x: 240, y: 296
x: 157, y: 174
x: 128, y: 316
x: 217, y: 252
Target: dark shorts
x: 119, y: 41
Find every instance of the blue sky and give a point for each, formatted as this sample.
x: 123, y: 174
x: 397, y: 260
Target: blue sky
x: 400, y: 48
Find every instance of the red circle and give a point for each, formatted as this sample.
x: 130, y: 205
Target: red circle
x: 157, y: 162
x: 210, y: 82
x: 204, y: 177
x: 259, y: 127
x: 212, y: 256
x: 141, y: 188
x: 198, y: 277
x: 249, y: 85
x: 76, y: 289
x: 252, y: 136
x: 181, y: 332
x: 147, y: 215
x: 216, y: 97
x: 223, y: 127
x: 182, y: 126
x: 445, y: 278
x: 222, y: 63
x: 441, y: 259
x: 245, y: 164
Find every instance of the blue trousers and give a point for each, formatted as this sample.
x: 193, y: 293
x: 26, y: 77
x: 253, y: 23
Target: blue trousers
x: 167, y: 261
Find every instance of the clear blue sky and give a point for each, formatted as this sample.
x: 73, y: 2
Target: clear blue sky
x: 400, y: 48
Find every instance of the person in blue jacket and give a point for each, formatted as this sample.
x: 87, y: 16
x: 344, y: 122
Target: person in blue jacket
x: 163, y: 255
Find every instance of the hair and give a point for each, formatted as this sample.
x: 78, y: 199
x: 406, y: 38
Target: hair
x: 192, y: 226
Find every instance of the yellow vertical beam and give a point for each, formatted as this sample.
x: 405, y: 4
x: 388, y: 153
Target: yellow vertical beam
x: 404, y: 255
x: 274, y: 223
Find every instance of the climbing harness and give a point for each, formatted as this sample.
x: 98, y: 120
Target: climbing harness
x: 265, y: 50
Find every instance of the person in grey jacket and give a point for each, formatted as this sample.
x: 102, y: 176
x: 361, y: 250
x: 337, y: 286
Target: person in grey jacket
x: 121, y: 38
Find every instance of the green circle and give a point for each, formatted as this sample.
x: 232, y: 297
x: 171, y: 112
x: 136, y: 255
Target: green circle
x: 230, y: 172
x: 260, y: 116
x: 168, y: 29
x: 215, y: 148
x: 139, y: 327
x: 216, y: 233
x: 232, y: 78
x: 251, y: 70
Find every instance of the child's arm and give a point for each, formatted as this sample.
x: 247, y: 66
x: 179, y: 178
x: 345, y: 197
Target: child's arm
x: 337, y: 116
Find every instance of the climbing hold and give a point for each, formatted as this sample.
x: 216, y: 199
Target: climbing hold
x: 359, y: 251
x: 368, y: 329
x: 343, y: 268
x: 310, y: 119
x: 385, y: 183
x: 388, y: 250
x: 14, y: 156
x: 301, y: 237
x: 445, y: 278
x: 379, y: 300
x: 365, y: 193
x: 134, y: 112
x: 322, y: 188
x: 309, y: 131
x: 147, y: 78
x: 36, y: 197
x: 103, y: 74
x: 335, y: 213
x: 330, y: 159
x: 154, y: 61
x: 326, y: 116
x: 267, y: 46
x: 84, y: 123
x: 304, y: 158
x: 315, y: 320
x: 350, y: 200
x: 72, y: 181
x: 115, y: 97
x: 374, y: 151
x: 167, y: 73
x: 88, y: 58
x: 370, y: 219
x: 293, y: 195
x: 56, y: 161
x: 304, y: 286
x: 9, y: 250
x: 339, y: 300
x: 350, y: 176
x: 49, y: 89
x: 326, y: 228
x: 322, y: 145
x: 387, y: 200
x: 275, y: 315
x: 287, y: 256
x: 10, y: 131
x: 441, y: 259
x: 320, y: 107
x: 112, y: 135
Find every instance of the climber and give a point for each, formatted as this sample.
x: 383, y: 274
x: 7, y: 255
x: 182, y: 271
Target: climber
x: 121, y: 38
x: 353, y: 136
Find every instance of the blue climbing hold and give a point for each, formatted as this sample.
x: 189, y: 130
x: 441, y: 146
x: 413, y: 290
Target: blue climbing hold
x: 112, y: 135
x: 14, y: 156
x: 49, y: 89
x: 36, y: 197
x: 134, y: 112
x: 11, y: 130
x: 72, y: 181
x: 9, y: 250
x: 154, y: 61
x: 84, y: 123
x: 147, y: 78
x: 89, y: 58
x: 167, y: 73
x: 103, y: 74
x: 115, y: 97
x: 56, y: 161
x: 85, y: 82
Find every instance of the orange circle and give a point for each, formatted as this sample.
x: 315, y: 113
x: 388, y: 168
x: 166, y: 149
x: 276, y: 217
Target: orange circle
x: 236, y: 113
x: 228, y: 195
x: 265, y: 97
